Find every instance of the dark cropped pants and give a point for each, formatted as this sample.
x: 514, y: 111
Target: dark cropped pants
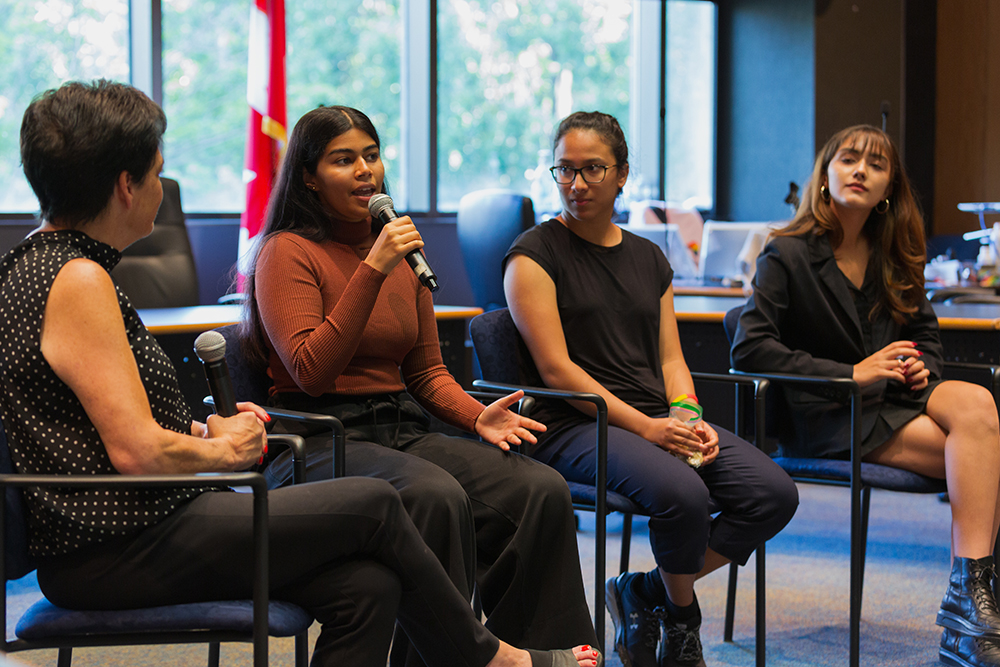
x: 495, y: 519
x: 345, y: 550
x: 755, y: 498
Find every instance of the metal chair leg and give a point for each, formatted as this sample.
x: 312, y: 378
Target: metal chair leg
x: 65, y: 657
x: 600, y: 568
x: 302, y: 649
x: 213, y: 654
x: 760, y: 648
x: 626, y: 543
x: 727, y: 631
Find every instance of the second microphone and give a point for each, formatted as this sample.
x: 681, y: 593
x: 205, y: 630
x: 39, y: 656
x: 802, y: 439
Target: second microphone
x: 380, y: 206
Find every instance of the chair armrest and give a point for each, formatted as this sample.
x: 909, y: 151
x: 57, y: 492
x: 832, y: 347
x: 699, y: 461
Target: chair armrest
x: 760, y: 386
x: 602, y: 425
x: 214, y: 480
x: 524, y: 406
x: 337, y: 436
x: 847, y: 385
x: 297, y: 445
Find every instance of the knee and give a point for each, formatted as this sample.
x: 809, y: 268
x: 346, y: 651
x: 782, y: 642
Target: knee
x: 543, y: 485
x: 680, y: 502
x: 437, y: 495
x: 980, y: 402
x: 777, y: 502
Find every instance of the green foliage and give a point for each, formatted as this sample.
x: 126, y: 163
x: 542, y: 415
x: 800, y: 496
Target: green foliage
x: 43, y: 44
x: 500, y: 65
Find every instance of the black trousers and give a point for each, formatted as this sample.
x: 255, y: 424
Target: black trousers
x: 493, y: 518
x: 345, y: 550
x: 754, y: 497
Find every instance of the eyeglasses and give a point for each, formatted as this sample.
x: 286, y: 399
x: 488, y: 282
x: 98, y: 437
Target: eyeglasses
x: 592, y: 173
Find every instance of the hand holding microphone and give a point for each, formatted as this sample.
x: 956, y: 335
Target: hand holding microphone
x: 380, y: 206
x: 210, y: 347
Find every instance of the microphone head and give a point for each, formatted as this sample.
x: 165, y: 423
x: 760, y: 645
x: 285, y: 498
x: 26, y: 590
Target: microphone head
x: 379, y: 203
x: 210, y: 347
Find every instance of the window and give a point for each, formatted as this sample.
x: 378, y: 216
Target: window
x: 347, y: 53
x: 337, y: 52
x: 204, y: 97
x: 508, y: 71
x: 45, y: 44
x: 690, y: 130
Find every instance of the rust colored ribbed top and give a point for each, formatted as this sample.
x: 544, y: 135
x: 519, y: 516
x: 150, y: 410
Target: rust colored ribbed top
x: 335, y: 325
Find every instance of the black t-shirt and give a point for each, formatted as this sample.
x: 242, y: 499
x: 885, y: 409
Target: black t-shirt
x: 609, y: 306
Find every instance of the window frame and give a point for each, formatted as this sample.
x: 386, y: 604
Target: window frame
x: 418, y: 173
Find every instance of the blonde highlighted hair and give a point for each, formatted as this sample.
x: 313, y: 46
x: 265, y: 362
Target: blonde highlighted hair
x: 896, y: 236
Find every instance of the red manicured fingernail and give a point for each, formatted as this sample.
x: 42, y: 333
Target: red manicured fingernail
x: 919, y: 353
x: 267, y: 418
x: 587, y: 647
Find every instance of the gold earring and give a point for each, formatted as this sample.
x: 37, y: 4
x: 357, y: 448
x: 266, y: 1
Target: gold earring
x: 824, y: 192
x: 882, y: 211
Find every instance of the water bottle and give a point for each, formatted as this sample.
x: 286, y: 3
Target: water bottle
x: 686, y: 410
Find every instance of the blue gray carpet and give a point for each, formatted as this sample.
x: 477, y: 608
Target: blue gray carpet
x: 807, y: 593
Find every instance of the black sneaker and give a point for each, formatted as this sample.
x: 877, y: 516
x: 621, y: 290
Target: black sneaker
x: 637, y: 623
x: 681, y: 643
x: 961, y: 650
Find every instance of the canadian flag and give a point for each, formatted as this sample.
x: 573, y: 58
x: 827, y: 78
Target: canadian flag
x: 266, y: 133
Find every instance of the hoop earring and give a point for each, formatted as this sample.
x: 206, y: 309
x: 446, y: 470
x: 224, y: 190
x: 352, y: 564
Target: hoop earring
x: 885, y: 208
x: 824, y: 192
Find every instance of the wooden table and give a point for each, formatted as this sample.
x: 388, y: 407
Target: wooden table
x: 176, y: 329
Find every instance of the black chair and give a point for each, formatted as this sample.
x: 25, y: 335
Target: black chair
x: 253, y: 384
x: 159, y: 271
x: 488, y: 222
x: 46, y: 626
x: 507, y: 366
x: 860, y: 477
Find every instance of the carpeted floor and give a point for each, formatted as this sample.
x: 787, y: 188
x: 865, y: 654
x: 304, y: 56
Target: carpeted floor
x: 807, y: 598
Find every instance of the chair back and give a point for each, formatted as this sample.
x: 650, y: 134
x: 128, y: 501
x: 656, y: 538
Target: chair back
x: 17, y: 561
x: 159, y: 270
x: 502, y: 354
x: 249, y: 382
x: 488, y: 222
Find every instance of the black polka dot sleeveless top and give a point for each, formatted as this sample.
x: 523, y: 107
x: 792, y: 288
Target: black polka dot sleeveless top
x: 48, y: 431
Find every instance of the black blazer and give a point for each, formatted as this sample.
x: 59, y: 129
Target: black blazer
x: 802, y: 319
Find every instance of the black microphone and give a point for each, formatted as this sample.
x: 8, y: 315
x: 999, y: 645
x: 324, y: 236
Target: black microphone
x: 211, y: 349
x: 380, y: 206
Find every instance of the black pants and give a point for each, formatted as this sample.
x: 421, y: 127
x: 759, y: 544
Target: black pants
x: 345, y: 550
x: 754, y: 497
x: 491, y: 517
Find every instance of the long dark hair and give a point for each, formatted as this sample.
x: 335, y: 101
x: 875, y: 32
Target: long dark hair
x: 295, y: 208
x: 896, y: 235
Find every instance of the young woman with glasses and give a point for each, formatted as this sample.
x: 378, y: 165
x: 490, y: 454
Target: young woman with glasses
x: 594, y: 305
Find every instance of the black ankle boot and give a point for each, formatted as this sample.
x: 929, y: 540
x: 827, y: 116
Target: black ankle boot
x: 969, y: 606
x: 965, y: 651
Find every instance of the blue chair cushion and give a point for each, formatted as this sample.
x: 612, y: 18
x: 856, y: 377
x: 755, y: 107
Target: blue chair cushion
x: 586, y: 495
x: 44, y: 620
x: 873, y: 475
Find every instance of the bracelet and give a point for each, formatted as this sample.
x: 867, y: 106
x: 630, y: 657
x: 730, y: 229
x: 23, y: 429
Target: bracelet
x: 685, y: 397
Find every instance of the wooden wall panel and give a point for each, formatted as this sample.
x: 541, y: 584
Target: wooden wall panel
x: 967, y: 144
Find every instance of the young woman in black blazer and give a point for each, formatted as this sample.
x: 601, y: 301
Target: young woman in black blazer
x: 840, y: 292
